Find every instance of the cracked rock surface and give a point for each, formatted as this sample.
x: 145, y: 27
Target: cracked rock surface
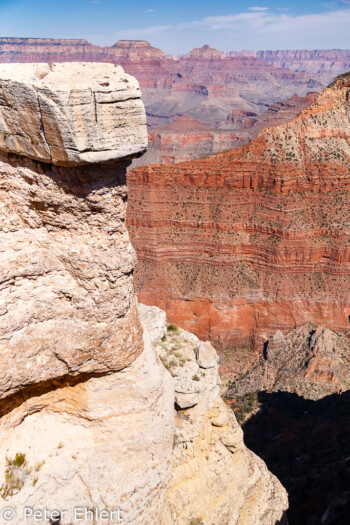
x: 71, y: 113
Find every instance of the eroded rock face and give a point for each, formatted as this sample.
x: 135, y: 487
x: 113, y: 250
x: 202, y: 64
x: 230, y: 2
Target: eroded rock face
x: 239, y: 245
x: 102, y: 443
x: 85, y: 403
x: 93, y: 115
x: 66, y: 272
x: 311, y: 362
x: 215, y: 478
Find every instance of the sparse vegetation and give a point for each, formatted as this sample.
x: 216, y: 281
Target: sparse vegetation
x: 15, y: 475
x: 243, y: 406
x: 340, y: 77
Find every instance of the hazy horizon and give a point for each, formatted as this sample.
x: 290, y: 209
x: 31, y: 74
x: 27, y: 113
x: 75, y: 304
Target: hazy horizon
x: 181, y: 26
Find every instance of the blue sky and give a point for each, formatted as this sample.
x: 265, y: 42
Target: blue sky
x: 176, y: 26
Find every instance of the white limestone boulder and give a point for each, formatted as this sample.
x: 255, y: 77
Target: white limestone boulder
x: 71, y: 114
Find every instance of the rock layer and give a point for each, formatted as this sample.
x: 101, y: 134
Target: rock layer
x: 239, y: 245
x: 187, y: 138
x: 205, y: 84
x: 326, y: 63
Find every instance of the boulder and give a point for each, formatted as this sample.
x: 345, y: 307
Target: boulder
x: 71, y: 114
x: 206, y: 355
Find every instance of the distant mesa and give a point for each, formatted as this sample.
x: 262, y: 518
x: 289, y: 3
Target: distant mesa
x: 185, y: 123
x: 140, y: 44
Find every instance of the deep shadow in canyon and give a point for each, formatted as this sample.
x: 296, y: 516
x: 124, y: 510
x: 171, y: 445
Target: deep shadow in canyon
x: 306, y: 444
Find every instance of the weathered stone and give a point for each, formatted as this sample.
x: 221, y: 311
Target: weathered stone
x: 66, y: 273
x: 215, y: 478
x: 206, y: 355
x: 71, y: 114
x: 105, y: 442
x: 323, y: 340
x: 154, y: 320
x: 84, y: 397
x: 275, y: 345
x: 85, y: 401
x: 311, y: 362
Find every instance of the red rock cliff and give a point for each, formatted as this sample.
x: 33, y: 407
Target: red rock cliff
x: 247, y: 242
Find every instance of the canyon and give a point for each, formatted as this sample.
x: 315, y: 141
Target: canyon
x: 244, y: 243
x: 186, y: 138
x: 205, y: 84
x: 103, y: 405
x: 293, y: 404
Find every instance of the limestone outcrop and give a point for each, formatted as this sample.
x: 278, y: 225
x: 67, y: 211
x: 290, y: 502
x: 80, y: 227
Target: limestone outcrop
x: 95, y: 115
x: 209, y: 482
x: 86, y: 407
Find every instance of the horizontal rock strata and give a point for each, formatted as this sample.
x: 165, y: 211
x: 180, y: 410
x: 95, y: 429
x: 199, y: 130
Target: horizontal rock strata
x: 86, y: 405
x: 239, y: 245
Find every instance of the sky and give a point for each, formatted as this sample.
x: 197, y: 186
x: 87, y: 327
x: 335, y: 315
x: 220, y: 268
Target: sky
x: 176, y: 26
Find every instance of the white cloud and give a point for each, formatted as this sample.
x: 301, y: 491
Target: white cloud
x: 259, y: 8
x: 149, y: 11
x: 252, y: 30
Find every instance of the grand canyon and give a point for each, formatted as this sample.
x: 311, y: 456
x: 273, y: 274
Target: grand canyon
x: 175, y: 284
x: 205, y: 101
x: 254, y: 240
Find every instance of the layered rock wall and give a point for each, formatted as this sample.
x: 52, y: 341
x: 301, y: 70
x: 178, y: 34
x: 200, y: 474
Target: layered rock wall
x: 323, y: 62
x: 86, y: 405
x: 239, y: 245
x: 206, y: 84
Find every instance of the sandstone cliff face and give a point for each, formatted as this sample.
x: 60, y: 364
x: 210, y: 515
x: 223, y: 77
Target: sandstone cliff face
x: 242, y: 244
x: 209, y: 482
x: 79, y: 385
